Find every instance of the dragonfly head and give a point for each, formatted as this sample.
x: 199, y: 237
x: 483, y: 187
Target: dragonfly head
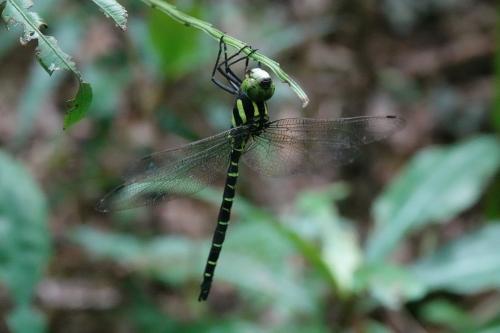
x: 258, y: 85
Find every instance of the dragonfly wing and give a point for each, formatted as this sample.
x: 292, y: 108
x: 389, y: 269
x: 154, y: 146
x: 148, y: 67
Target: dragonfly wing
x: 299, y: 145
x: 176, y: 172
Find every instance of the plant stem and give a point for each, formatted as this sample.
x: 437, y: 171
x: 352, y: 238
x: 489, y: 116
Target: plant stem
x: 208, y: 28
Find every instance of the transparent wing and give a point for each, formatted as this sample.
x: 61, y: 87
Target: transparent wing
x: 170, y: 173
x: 299, y: 145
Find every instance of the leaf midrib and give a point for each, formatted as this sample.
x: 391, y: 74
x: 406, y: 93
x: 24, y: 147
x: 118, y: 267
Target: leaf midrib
x: 43, y: 37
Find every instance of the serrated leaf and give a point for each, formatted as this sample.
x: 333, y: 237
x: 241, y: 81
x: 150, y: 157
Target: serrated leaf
x: 115, y: 11
x: 438, y: 184
x: 78, y: 106
x: 48, y: 52
x: 40, y: 86
x: 24, y: 239
x: 467, y: 265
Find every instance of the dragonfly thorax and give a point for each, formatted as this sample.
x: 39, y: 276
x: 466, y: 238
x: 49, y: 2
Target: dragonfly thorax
x: 247, y: 111
x: 258, y: 85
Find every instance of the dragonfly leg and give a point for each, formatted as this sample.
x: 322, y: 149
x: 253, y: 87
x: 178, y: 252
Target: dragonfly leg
x: 228, y: 63
x: 228, y: 72
x: 224, y: 67
x: 248, y: 58
x: 231, y: 88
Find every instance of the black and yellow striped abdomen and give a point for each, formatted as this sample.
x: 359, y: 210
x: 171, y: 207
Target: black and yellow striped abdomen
x: 245, y: 111
x: 223, y: 219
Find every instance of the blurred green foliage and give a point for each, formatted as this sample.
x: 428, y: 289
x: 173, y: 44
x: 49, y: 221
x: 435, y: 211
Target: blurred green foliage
x: 257, y: 254
x: 428, y: 262
x: 179, y: 48
x: 24, y: 242
x: 436, y: 186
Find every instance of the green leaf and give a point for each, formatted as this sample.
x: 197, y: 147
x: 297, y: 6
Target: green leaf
x: 445, y: 313
x: 470, y: 264
x: 40, y: 86
x: 24, y: 238
x: 438, y: 184
x: 48, y: 53
x: 389, y: 284
x: 334, y: 238
x: 114, y: 10
x: 78, y: 106
x: 178, y: 47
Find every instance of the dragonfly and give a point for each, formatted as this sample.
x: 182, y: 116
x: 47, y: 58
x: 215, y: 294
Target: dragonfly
x: 274, y: 148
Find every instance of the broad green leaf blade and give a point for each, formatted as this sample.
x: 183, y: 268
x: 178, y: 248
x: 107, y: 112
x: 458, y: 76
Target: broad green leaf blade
x: 79, y: 106
x: 115, y: 11
x: 24, y: 238
x: 470, y: 264
x: 438, y: 184
x: 208, y: 28
x: 448, y: 314
x: 333, y: 237
x: 390, y: 285
x: 256, y: 259
x: 177, y: 47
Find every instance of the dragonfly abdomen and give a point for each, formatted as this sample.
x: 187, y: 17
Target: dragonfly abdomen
x: 222, y: 221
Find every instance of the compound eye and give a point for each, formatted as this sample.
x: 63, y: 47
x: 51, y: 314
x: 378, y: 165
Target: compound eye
x: 265, y: 83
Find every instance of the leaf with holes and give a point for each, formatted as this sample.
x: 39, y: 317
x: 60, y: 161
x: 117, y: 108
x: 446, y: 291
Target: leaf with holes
x: 48, y: 52
x: 115, y: 11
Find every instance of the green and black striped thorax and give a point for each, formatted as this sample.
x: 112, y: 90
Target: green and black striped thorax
x: 250, y: 105
x: 246, y: 111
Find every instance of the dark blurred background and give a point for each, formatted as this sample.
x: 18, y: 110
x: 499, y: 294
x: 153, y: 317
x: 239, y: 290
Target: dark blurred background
x: 405, y: 239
